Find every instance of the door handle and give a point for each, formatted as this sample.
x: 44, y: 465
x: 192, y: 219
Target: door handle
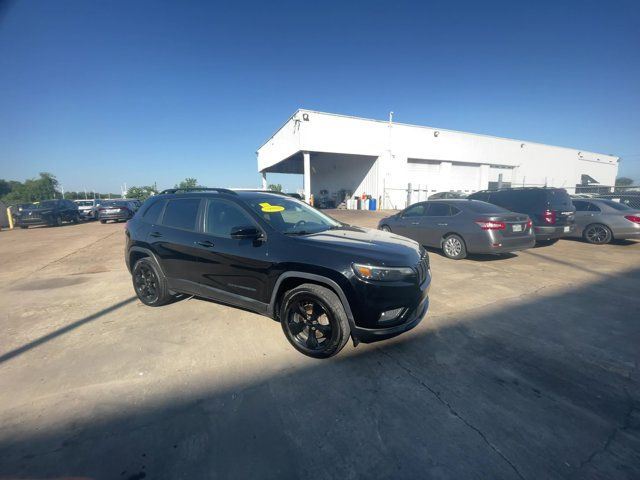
x: 415, y: 223
x: 205, y: 243
x: 443, y: 224
x: 155, y: 234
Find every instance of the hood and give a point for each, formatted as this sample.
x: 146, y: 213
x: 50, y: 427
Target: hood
x: 366, y: 244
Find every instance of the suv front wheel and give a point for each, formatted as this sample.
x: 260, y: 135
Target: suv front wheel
x: 314, y: 320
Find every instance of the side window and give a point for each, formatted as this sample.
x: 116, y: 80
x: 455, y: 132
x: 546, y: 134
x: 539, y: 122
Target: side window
x: 454, y: 210
x: 152, y: 213
x: 181, y: 213
x: 581, y: 206
x: 223, y: 216
x: 415, y: 211
x: 438, y: 210
x: 593, y: 207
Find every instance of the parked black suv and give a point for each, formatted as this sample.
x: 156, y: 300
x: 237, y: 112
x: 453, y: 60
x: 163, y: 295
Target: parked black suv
x: 550, y: 209
x: 48, y: 212
x: 323, y: 280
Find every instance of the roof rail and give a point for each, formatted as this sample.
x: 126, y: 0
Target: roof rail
x: 259, y: 190
x: 197, y: 189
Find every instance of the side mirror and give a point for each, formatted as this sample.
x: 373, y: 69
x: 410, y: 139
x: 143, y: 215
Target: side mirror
x: 246, y: 232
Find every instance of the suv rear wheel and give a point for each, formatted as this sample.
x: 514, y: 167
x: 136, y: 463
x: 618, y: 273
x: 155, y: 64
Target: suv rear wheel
x: 149, y: 283
x: 314, y: 320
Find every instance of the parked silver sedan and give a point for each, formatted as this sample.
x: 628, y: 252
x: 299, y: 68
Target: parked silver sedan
x: 599, y: 221
x: 461, y: 226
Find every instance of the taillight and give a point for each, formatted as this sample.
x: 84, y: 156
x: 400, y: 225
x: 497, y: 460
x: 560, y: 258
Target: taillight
x: 490, y: 225
x: 529, y: 223
x: 633, y: 218
x: 549, y: 216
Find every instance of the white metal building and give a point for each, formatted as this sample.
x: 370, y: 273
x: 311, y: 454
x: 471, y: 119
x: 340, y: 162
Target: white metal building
x: 399, y: 163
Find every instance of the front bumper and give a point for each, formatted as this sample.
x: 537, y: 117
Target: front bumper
x: 369, y: 335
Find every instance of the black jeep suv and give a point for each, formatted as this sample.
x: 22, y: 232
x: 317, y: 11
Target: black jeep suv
x: 550, y: 209
x: 272, y: 254
x: 48, y: 212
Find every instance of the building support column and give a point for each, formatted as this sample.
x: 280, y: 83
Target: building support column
x: 307, y: 176
x: 264, y: 180
x: 484, y: 177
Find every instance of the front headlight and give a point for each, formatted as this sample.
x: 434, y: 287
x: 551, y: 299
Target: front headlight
x: 382, y: 274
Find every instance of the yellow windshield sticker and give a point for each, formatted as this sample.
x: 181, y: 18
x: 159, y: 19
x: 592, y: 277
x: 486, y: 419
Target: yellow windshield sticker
x: 268, y: 208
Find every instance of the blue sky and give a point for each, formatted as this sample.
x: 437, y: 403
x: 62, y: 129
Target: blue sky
x: 106, y: 92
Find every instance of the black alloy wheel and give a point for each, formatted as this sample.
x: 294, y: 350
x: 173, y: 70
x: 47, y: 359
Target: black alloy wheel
x: 145, y: 282
x: 309, y: 324
x: 314, y: 321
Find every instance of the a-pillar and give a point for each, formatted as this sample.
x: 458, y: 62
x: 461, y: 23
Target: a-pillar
x: 264, y: 180
x: 307, y: 176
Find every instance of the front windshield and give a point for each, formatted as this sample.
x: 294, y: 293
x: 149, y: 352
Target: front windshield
x: 291, y: 216
x: 85, y: 203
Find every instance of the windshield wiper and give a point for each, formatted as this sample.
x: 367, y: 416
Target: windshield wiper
x: 298, y: 232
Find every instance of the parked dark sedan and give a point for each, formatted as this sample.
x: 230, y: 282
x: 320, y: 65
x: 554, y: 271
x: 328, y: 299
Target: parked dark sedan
x: 461, y: 226
x: 115, y: 210
x: 48, y: 212
x: 600, y: 221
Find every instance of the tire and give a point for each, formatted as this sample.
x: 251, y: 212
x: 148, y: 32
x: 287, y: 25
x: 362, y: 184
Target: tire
x: 453, y: 247
x: 149, y: 283
x: 57, y: 221
x: 309, y: 310
x: 597, y: 234
x: 103, y: 221
x: 76, y: 219
x: 385, y: 228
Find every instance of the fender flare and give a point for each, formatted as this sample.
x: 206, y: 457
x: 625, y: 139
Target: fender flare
x: 319, y: 279
x: 149, y: 254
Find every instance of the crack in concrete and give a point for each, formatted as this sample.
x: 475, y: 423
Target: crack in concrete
x: 455, y: 413
x: 67, y: 256
x: 610, y: 438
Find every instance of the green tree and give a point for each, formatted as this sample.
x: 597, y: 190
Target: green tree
x: 624, y: 181
x: 141, y: 193
x: 188, y: 182
x: 275, y: 187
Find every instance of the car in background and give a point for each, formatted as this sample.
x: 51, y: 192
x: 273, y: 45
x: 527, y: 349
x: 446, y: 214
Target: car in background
x: 116, y: 210
x: 447, y: 195
x: 550, y: 209
x: 88, y: 208
x: 459, y: 227
x: 599, y: 221
x: 48, y: 212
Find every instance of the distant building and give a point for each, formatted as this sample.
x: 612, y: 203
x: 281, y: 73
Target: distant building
x: 399, y: 163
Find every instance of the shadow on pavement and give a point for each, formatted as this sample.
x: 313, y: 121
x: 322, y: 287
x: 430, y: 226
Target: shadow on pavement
x: 544, y: 388
x: 61, y: 331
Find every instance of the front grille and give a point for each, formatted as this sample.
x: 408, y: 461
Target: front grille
x: 422, y: 268
x: 31, y: 216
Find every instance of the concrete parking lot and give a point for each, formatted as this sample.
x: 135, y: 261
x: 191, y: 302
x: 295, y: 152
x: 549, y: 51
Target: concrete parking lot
x: 526, y: 366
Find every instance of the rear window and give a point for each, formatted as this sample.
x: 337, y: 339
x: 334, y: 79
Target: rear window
x: 616, y: 205
x: 152, y: 212
x: 182, y: 213
x: 483, y: 207
x: 559, y: 198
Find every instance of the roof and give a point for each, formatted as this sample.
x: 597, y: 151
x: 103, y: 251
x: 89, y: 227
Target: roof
x: 304, y: 110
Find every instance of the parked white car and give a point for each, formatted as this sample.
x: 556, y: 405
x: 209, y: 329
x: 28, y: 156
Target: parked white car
x: 88, y: 208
